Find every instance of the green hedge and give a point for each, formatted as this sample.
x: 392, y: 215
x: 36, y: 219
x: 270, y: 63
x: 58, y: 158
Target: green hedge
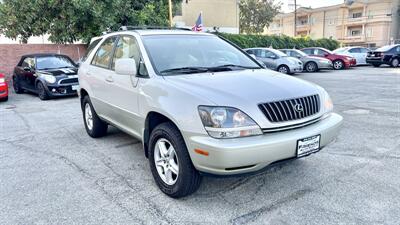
x: 278, y: 42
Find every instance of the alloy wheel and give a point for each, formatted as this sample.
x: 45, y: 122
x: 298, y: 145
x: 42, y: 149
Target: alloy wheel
x: 395, y: 63
x: 311, y: 67
x: 283, y: 69
x: 88, y: 116
x: 166, y: 161
x: 338, y: 65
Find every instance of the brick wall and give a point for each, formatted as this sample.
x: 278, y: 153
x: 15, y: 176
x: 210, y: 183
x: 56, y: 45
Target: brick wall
x: 10, y: 54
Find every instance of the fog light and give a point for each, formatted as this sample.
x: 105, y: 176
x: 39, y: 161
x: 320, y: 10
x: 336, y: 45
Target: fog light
x: 53, y: 90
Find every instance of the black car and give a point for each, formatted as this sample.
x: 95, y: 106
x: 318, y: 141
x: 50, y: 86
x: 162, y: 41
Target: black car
x: 48, y: 75
x: 389, y: 55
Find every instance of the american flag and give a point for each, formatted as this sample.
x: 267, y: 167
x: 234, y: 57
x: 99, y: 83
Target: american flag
x: 199, y: 24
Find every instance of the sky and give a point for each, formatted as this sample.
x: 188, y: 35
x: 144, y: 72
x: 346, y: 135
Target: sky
x: 310, y: 3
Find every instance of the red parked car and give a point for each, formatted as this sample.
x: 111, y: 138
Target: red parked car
x: 339, y: 61
x: 3, y: 88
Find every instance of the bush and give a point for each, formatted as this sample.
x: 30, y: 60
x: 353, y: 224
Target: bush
x: 278, y: 42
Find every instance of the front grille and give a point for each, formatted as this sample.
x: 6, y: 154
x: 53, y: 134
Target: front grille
x: 292, y: 109
x: 69, y: 81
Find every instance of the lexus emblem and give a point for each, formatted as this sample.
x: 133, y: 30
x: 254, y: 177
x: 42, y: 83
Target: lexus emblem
x: 298, y: 107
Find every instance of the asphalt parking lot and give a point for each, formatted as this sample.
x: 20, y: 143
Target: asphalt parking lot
x: 52, y: 172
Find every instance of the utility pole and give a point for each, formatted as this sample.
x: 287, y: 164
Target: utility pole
x: 295, y: 17
x: 170, y: 12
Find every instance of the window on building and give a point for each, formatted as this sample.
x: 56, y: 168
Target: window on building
x: 369, y: 32
x: 355, y: 32
x: 331, y: 22
x: 357, y: 14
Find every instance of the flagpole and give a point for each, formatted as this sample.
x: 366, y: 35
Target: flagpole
x: 170, y: 12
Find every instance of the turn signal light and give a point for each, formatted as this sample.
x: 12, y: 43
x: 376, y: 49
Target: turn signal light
x: 201, y: 152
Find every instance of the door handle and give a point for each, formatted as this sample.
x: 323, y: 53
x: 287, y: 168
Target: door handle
x: 109, y: 79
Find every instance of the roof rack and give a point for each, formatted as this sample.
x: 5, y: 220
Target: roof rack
x: 125, y: 28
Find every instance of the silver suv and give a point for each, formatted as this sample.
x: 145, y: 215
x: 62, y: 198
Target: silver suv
x: 200, y: 105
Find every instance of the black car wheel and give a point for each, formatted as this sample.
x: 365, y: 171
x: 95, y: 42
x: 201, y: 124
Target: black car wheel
x: 42, y: 93
x: 376, y: 65
x: 170, y: 162
x: 94, y: 126
x: 4, y: 99
x: 311, y: 67
x: 395, y: 62
x: 338, y: 64
x: 17, y: 86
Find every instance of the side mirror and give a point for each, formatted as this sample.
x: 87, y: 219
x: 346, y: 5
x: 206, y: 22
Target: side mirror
x: 125, y: 67
x: 254, y: 56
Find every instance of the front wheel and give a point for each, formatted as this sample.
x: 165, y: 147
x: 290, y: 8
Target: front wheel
x: 395, y: 63
x: 42, y: 93
x: 338, y: 64
x: 283, y: 69
x: 311, y: 67
x: 170, y: 162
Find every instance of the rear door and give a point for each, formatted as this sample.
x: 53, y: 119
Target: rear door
x: 99, y: 74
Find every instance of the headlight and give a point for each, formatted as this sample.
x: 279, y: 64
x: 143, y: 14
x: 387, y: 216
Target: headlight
x: 327, y: 103
x: 349, y: 58
x: 48, y: 78
x: 226, y: 122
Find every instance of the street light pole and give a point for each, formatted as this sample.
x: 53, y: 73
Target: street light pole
x: 295, y: 17
x: 170, y: 12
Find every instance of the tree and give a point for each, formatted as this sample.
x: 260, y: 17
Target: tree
x: 255, y: 15
x: 73, y: 20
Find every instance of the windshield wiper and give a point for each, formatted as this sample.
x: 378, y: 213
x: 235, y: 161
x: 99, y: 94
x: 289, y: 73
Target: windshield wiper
x: 229, y: 67
x: 186, y: 70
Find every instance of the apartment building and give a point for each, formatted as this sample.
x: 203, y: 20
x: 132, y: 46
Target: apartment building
x: 370, y: 23
x: 217, y: 14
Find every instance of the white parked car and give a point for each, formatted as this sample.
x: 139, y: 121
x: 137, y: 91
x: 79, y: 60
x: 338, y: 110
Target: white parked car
x: 200, y: 105
x: 359, y: 53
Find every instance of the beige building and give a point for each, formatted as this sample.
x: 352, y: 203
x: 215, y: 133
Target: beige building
x: 220, y: 14
x: 363, y: 22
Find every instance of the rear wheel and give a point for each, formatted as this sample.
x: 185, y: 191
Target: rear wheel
x: 311, y: 67
x: 42, y: 93
x: 17, y: 86
x: 283, y: 69
x: 376, y: 65
x: 94, y: 126
x: 395, y: 62
x: 338, y: 64
x: 170, y: 162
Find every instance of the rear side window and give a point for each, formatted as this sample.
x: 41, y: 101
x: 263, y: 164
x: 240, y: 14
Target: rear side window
x: 127, y: 48
x: 90, y: 49
x: 319, y: 52
x: 355, y: 50
x: 104, y: 53
x: 308, y: 51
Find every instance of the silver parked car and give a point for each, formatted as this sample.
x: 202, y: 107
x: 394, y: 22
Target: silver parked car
x: 311, y: 63
x: 276, y: 60
x: 197, y: 110
x: 357, y: 52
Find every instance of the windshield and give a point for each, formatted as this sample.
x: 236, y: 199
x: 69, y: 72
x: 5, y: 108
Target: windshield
x: 385, y: 48
x: 299, y: 52
x: 184, y: 54
x: 340, y: 50
x: 53, y: 62
x: 277, y: 52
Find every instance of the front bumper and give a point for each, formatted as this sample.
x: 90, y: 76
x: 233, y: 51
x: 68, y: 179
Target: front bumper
x: 375, y: 60
x: 63, y: 90
x: 296, y: 69
x: 249, y: 154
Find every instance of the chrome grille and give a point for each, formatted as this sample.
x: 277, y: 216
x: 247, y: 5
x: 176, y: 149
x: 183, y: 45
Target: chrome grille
x: 69, y: 81
x: 292, y: 109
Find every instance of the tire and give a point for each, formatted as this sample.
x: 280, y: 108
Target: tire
x: 311, y: 67
x: 17, y: 86
x: 186, y: 179
x: 376, y: 65
x: 395, y: 63
x: 338, y: 64
x: 283, y: 69
x: 4, y: 99
x: 42, y: 93
x: 94, y: 126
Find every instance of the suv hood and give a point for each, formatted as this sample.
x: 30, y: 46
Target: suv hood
x: 240, y: 88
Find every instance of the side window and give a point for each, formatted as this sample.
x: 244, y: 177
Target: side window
x: 28, y: 62
x: 355, y: 50
x: 90, y: 49
x: 319, y: 52
x: 289, y: 53
x: 398, y: 49
x: 269, y: 54
x: 250, y: 51
x: 104, y: 53
x: 257, y: 52
x: 364, y: 50
x: 308, y: 51
x: 127, y: 48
